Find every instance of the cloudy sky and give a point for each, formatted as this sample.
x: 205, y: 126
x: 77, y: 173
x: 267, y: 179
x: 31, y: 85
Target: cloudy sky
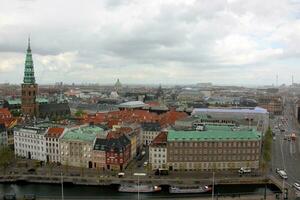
x: 237, y: 42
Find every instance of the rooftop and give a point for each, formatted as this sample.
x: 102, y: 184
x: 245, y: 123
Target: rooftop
x: 256, y: 110
x: 132, y: 104
x: 151, y: 126
x: 18, y: 101
x: 54, y: 132
x: 214, y: 133
x: 87, y: 133
x: 160, y: 139
x: 37, y: 130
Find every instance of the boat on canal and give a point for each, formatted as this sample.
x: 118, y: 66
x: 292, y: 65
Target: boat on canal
x: 189, y: 189
x: 134, y: 188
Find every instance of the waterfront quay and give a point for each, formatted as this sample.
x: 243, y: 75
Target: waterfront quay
x: 106, y: 184
x: 109, y: 180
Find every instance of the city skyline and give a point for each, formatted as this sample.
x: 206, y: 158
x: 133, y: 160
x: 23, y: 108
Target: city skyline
x: 228, y: 43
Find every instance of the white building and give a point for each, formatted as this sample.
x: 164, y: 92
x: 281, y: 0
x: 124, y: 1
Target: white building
x: 158, y: 152
x: 249, y: 116
x: 30, y: 142
x: 149, y: 131
x: 52, y: 136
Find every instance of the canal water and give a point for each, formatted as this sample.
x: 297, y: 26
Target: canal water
x: 52, y: 191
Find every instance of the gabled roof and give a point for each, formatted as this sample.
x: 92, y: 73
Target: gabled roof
x: 5, y: 113
x: 118, y: 144
x: 160, y: 139
x: 54, y: 132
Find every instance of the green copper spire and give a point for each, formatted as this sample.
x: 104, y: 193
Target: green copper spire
x: 29, y: 72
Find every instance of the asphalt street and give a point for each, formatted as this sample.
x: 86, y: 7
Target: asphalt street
x: 285, y: 151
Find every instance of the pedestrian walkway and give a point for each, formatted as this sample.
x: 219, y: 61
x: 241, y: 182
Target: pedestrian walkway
x: 243, y: 197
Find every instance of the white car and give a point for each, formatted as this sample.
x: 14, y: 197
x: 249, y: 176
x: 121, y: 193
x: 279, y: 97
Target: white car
x: 243, y: 170
x: 297, y: 186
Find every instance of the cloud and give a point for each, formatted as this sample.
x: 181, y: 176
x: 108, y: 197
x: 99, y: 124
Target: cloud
x: 184, y: 41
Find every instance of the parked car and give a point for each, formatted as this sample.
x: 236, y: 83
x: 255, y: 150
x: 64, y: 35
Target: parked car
x: 244, y: 170
x: 145, y: 164
x: 121, y: 174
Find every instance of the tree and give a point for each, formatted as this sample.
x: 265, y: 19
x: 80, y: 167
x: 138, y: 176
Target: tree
x: 6, y: 157
x: 15, y: 112
x: 267, y: 147
x: 79, y: 113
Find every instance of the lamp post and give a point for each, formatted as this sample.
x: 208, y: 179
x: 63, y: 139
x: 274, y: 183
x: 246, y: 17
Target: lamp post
x: 138, y: 175
x: 213, y: 187
x: 62, y: 186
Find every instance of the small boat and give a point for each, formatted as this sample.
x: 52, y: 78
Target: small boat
x: 29, y: 197
x: 134, y: 188
x: 10, y: 196
x: 189, y: 189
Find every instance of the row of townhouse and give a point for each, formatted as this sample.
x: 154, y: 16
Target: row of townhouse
x: 214, y: 148
x: 84, y: 146
x: 38, y: 143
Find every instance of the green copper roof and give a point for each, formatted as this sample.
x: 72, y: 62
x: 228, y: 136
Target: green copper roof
x: 18, y: 101
x: 14, y: 101
x: 42, y: 100
x: 87, y: 134
x: 213, y: 135
x: 29, y: 70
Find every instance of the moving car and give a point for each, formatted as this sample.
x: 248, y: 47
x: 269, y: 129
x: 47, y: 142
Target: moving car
x: 281, y: 173
x: 297, y: 186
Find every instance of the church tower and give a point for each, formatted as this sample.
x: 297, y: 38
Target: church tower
x: 29, y: 105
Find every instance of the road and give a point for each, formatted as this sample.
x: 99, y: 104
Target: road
x: 286, y: 152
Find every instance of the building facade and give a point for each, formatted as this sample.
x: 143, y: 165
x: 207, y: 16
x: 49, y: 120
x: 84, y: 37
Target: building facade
x: 30, y: 142
x: 149, y: 131
x: 218, y: 148
x: 158, y: 152
x: 76, y: 146
x: 273, y: 103
x: 52, y: 144
x: 117, y: 153
x: 246, y: 116
x: 99, y: 154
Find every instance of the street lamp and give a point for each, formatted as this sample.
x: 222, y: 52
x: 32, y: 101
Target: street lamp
x: 213, y: 187
x: 138, y: 175
x: 62, y: 185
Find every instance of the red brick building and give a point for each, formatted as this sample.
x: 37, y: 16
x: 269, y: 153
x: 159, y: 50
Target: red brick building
x: 117, y: 152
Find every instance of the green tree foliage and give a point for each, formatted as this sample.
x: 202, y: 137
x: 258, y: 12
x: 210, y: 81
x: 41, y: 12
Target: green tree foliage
x: 79, y: 113
x: 6, y: 157
x: 267, y: 147
x: 15, y: 113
